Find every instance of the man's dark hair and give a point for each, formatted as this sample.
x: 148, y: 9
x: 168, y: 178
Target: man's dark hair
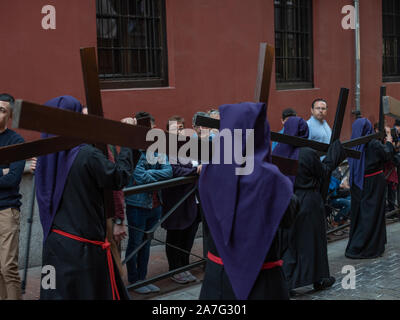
x: 7, y: 97
x: 177, y: 119
x: 397, y: 122
x: 289, y: 112
x: 317, y: 100
x: 143, y: 114
x: 357, y: 114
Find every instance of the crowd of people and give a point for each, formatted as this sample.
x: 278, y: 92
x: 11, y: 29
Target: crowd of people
x: 266, y: 232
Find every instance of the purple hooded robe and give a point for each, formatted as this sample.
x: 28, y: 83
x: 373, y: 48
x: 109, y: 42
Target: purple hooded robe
x: 52, y: 170
x: 244, y: 212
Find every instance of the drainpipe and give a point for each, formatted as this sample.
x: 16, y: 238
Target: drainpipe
x: 357, y: 51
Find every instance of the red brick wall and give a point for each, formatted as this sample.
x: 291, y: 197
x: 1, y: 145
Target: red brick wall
x: 212, y: 57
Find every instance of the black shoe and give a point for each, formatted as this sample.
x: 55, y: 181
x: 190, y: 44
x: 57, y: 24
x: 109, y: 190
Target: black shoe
x: 324, y: 283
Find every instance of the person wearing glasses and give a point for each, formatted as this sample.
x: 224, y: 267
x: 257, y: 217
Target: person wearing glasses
x: 319, y: 128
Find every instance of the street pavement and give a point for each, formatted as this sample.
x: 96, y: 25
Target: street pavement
x: 375, y: 279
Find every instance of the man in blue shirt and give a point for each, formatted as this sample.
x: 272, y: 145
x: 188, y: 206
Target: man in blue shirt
x: 319, y: 128
x: 10, y: 178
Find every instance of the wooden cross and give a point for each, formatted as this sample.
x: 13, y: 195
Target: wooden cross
x: 337, y: 128
x: 73, y: 128
x: 264, y: 71
x: 381, y: 133
x: 95, y: 107
x: 77, y: 128
x: 388, y: 106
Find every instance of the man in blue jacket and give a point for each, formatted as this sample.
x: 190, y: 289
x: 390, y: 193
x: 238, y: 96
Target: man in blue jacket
x: 10, y: 178
x: 143, y: 211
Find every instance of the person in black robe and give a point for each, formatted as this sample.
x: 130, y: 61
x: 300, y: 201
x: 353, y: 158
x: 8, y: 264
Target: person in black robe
x: 306, y: 258
x: 243, y: 214
x: 367, y: 237
x: 70, y: 186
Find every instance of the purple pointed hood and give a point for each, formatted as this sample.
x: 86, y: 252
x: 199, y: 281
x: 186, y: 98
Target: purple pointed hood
x: 52, y: 170
x: 361, y: 127
x: 294, y: 126
x: 244, y: 212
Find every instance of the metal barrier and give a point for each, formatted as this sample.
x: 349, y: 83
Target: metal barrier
x: 149, y: 234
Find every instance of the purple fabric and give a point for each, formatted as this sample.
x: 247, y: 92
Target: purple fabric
x: 244, y: 212
x: 361, y: 127
x: 294, y: 126
x: 52, y: 170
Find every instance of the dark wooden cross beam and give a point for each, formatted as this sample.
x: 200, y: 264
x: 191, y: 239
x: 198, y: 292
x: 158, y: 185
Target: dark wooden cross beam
x: 337, y: 128
x: 340, y: 111
x: 85, y: 128
x: 386, y: 107
x: 73, y: 128
x: 335, y: 136
x: 95, y: 107
x: 264, y: 72
x: 35, y: 148
x: 55, y: 144
x: 382, y: 105
x: 72, y: 136
x: 294, y: 141
x: 263, y: 81
x: 262, y: 90
x: 209, y: 122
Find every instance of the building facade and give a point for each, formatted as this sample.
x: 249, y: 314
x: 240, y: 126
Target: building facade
x: 172, y: 57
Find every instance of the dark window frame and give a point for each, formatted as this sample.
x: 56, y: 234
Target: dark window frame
x: 391, y: 40
x: 305, y: 67
x: 153, y: 47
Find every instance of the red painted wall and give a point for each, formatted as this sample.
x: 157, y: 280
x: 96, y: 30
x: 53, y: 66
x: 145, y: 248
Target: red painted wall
x: 212, y: 57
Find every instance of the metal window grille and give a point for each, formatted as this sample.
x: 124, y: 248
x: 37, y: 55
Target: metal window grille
x: 293, y: 43
x: 131, y: 41
x: 391, y: 40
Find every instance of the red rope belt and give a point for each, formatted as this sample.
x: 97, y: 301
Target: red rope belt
x: 265, y: 266
x: 373, y: 174
x: 105, y: 246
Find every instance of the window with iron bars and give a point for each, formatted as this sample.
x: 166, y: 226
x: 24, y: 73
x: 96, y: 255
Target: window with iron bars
x: 131, y: 43
x: 293, y: 44
x: 391, y: 40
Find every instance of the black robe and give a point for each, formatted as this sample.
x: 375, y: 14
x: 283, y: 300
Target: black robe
x: 368, y: 226
x: 306, y: 258
x: 270, y: 284
x: 82, y: 268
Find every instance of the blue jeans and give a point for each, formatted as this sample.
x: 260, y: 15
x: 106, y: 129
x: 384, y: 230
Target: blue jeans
x: 143, y: 219
x: 344, y: 205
